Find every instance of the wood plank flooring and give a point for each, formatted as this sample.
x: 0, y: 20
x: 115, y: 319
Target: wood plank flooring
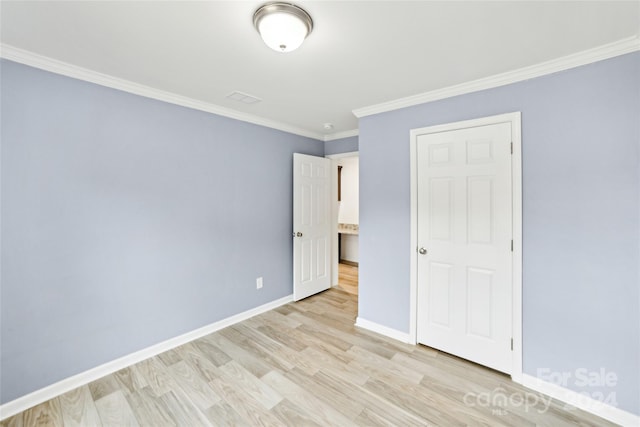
x: 303, y: 364
x: 348, y: 278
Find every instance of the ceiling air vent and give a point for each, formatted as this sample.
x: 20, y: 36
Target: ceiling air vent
x: 243, y: 97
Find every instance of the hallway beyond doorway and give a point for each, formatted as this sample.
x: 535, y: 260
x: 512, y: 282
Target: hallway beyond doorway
x: 348, y: 278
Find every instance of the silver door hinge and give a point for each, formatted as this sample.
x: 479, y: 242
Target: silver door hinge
x: 512, y: 148
x: 511, y: 344
x: 511, y: 245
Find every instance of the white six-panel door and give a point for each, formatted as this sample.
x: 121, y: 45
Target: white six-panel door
x: 464, y: 197
x: 311, y: 225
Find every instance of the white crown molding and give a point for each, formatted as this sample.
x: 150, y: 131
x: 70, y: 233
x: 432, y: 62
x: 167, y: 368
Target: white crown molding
x: 620, y: 47
x: 340, y: 135
x: 49, y: 392
x: 581, y: 401
x: 58, y: 67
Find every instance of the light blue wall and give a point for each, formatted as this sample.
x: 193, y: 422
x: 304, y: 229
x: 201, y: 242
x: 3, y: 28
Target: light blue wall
x: 127, y: 221
x: 342, y: 145
x: 581, y: 179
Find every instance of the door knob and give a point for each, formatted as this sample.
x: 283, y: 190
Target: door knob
x: 298, y: 234
x: 422, y: 251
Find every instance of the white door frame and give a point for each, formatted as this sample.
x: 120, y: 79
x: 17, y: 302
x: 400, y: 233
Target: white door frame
x: 516, y: 179
x: 334, y: 211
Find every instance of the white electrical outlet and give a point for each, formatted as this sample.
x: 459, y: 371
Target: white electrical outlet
x: 259, y: 283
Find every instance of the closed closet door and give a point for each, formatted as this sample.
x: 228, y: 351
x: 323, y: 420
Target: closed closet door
x: 465, y: 243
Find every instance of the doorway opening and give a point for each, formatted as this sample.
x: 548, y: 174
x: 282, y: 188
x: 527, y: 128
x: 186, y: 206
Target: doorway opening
x: 345, y: 218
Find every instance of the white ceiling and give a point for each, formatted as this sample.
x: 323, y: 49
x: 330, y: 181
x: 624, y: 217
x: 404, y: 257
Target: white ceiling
x: 360, y: 53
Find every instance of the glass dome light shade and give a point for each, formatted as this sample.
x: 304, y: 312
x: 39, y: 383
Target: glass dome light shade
x: 282, y: 26
x: 282, y: 31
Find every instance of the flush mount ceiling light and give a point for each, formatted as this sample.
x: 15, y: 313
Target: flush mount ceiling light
x: 282, y: 26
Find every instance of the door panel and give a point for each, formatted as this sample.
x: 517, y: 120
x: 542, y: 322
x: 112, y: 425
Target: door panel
x: 465, y: 225
x: 441, y: 208
x: 440, y: 294
x: 311, y: 226
x: 479, y: 298
x: 480, y: 210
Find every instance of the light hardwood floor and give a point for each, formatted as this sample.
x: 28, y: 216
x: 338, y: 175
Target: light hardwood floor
x: 303, y: 364
x: 348, y: 278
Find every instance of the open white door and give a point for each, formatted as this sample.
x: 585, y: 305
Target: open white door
x: 311, y: 225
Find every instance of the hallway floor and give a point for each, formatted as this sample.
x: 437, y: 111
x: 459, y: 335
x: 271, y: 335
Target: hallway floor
x: 348, y: 278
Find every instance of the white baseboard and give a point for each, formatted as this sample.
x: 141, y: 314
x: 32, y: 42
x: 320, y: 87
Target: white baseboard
x: 581, y: 401
x: 34, y: 398
x: 572, y: 398
x: 383, y: 330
